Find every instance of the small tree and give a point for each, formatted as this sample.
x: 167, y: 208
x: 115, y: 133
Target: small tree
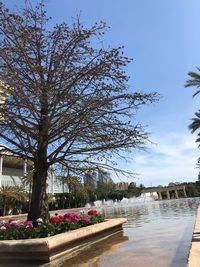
x: 64, y: 101
x: 103, y: 190
x: 78, y: 195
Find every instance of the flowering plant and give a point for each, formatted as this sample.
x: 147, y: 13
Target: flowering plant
x: 12, y: 229
x: 95, y: 217
x: 92, y: 212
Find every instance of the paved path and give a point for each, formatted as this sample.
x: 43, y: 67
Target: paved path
x: 194, y: 256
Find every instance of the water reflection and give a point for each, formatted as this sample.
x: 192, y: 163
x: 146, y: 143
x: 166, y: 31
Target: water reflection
x: 92, y: 256
x: 159, y: 234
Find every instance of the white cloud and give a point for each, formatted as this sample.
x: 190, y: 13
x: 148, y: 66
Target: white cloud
x: 171, y: 159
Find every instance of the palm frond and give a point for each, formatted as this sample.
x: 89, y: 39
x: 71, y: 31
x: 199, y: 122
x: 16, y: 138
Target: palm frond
x: 194, y: 82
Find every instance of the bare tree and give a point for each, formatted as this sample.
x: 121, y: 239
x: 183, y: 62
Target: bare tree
x: 64, y: 100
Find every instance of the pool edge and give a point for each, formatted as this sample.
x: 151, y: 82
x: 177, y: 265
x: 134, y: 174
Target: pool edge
x: 194, y: 254
x: 50, y: 248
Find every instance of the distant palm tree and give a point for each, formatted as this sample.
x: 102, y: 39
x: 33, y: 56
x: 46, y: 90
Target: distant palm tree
x: 195, y: 81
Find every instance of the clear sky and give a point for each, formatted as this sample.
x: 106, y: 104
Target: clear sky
x: 163, y: 38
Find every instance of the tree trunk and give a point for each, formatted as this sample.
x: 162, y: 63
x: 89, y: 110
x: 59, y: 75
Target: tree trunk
x: 39, y: 199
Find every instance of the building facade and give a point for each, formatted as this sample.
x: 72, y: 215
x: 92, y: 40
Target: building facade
x: 96, y: 177
x: 122, y: 186
x: 13, y: 169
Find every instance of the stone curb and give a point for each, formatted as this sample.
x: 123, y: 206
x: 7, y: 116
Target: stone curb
x: 49, y: 248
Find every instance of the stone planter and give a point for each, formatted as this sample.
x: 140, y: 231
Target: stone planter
x: 50, y: 248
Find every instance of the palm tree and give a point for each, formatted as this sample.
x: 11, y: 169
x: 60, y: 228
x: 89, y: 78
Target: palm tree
x: 195, y: 126
x: 195, y: 81
x: 12, y: 197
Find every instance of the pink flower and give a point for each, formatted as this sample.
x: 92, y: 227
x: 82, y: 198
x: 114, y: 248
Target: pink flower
x: 87, y: 219
x: 17, y: 225
x: 29, y: 224
x: 72, y: 217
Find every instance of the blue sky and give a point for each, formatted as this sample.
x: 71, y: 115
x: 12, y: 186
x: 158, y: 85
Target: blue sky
x: 163, y: 39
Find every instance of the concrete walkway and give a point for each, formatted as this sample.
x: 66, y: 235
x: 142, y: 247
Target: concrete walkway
x: 194, y: 256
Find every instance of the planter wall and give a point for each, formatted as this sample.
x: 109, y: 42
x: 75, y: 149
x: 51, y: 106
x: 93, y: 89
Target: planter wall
x: 47, y: 249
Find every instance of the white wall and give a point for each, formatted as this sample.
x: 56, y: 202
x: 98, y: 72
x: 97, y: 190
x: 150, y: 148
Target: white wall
x: 11, y: 176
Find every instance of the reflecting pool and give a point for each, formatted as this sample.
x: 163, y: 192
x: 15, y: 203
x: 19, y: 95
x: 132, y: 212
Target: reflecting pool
x: 157, y: 233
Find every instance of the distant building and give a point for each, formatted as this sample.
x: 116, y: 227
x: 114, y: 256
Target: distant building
x: 91, y: 178
x: 55, y: 184
x: 96, y: 177
x: 122, y: 186
x: 104, y: 177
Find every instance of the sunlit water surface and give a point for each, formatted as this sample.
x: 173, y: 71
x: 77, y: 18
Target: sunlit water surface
x: 157, y: 234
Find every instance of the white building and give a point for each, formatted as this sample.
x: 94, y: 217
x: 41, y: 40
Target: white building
x: 13, y: 169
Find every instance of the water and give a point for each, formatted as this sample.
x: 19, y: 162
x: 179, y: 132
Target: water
x: 126, y: 201
x: 156, y: 234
